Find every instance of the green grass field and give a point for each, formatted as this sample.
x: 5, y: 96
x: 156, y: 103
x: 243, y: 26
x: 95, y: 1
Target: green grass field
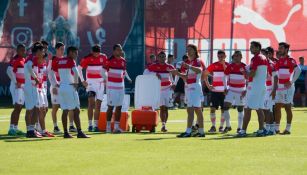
x: 158, y: 153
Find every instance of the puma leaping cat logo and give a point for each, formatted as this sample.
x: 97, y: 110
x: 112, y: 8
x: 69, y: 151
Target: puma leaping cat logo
x: 245, y: 15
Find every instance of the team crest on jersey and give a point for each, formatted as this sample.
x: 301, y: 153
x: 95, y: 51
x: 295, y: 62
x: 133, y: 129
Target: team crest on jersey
x: 241, y: 69
x: 101, y: 59
x: 285, y: 63
x: 123, y: 63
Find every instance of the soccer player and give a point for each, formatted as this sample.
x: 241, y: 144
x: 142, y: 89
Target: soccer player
x: 271, y: 83
x: 94, y: 83
x: 69, y: 98
x: 217, y: 88
x: 195, y: 68
x: 15, y: 71
x: 40, y: 67
x: 162, y: 70
x: 256, y: 89
x: 116, y: 68
x: 235, y: 89
x: 287, y: 72
x: 300, y: 82
x: 31, y: 89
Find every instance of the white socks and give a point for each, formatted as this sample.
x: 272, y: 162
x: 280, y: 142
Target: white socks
x: 227, y: 118
x: 213, y: 118
x: 240, y: 119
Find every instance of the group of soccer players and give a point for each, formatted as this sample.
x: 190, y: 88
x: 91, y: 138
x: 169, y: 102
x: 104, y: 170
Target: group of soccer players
x: 265, y: 85
x: 29, y: 74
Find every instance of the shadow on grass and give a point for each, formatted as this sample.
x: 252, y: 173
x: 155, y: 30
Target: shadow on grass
x: 231, y: 136
x: 28, y: 140
x: 157, y: 139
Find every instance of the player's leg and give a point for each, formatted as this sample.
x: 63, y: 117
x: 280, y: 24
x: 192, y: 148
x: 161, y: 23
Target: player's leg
x: 76, y: 114
x: 288, y: 108
x: 277, y: 110
x: 97, y: 115
x: 200, y: 122
x: 260, y: 122
x: 246, y: 119
x: 14, y: 119
x: 54, y: 110
x: 226, y: 107
x: 64, y: 123
x: 90, y: 109
x: 117, y: 116
x: 240, y: 117
x: 163, y: 110
x: 109, y: 118
x: 220, y: 101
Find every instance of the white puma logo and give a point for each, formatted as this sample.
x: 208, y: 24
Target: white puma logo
x: 246, y: 16
x: 95, y: 8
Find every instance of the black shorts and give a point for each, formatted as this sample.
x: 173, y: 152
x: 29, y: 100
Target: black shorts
x: 217, y: 99
x: 300, y: 86
x: 91, y: 94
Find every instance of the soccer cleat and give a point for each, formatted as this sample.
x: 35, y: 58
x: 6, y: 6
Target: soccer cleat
x: 38, y: 134
x: 56, y: 130
x: 238, y: 130
x: 72, y: 129
x: 163, y: 129
x: 67, y: 135
x: 47, y: 134
x: 277, y: 131
x: 33, y: 134
x: 82, y: 135
x: 184, y: 135
x: 95, y: 129
x: 212, y: 129
x: 286, y: 132
x: 221, y: 129
x: 19, y: 132
x: 227, y: 129
x: 117, y: 131
x: 199, y: 135
x: 12, y: 132
x: 90, y: 129
x: 260, y: 133
x: 241, y: 134
x: 270, y: 133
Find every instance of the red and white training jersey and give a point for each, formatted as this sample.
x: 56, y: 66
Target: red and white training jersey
x: 54, y: 62
x: 164, y: 71
x: 116, y: 68
x: 94, y: 66
x: 65, y: 68
x: 270, y: 74
x: 285, y: 69
x: 217, y: 70
x: 18, y: 63
x: 237, y: 77
x: 39, y: 70
x: 259, y: 64
x: 192, y: 76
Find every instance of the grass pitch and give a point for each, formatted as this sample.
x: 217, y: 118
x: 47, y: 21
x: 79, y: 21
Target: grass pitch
x: 159, y: 153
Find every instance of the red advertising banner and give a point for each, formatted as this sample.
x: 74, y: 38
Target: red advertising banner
x: 225, y: 24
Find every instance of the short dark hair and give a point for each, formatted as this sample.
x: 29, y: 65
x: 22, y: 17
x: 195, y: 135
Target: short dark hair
x: 237, y: 52
x: 71, y: 49
x: 270, y: 50
x: 221, y: 52
x: 170, y: 55
x: 44, y: 42
x: 185, y: 57
x: 285, y: 45
x: 162, y: 53
x: 59, y: 44
x: 256, y: 44
x: 264, y: 51
x: 301, y: 57
x: 96, y: 48
x: 116, y: 46
x: 19, y: 46
x: 37, y: 48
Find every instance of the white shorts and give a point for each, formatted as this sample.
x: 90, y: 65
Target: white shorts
x: 285, y: 96
x: 115, y: 97
x: 55, y: 99
x: 98, y: 88
x: 235, y: 98
x: 194, y: 95
x: 166, y: 98
x: 69, y: 98
x: 268, y: 101
x: 18, y: 96
x: 255, y: 98
x: 31, y: 96
x: 42, y: 98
